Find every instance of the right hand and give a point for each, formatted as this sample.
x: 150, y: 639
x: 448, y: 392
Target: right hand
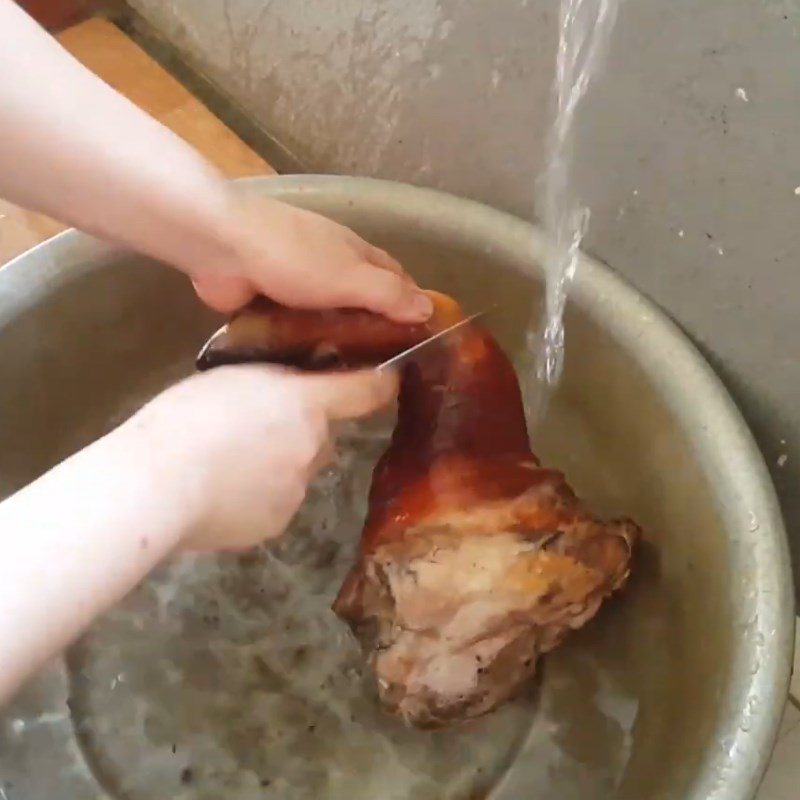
x: 237, y: 446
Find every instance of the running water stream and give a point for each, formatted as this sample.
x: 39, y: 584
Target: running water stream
x: 585, y: 28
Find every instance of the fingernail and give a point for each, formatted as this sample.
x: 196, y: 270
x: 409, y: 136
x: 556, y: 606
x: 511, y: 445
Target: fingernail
x: 421, y: 306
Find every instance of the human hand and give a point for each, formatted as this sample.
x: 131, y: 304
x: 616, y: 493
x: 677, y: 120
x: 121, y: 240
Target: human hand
x: 237, y: 446
x: 97, y: 172
x: 304, y: 260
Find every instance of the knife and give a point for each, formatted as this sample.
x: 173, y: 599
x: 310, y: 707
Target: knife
x: 400, y: 357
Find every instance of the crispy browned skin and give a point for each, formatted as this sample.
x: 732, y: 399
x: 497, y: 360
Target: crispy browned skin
x: 474, y: 558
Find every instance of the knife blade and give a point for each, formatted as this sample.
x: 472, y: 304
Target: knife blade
x: 400, y: 357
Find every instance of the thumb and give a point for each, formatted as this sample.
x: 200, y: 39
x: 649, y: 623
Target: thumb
x: 388, y: 293
x: 354, y: 394
x: 223, y: 294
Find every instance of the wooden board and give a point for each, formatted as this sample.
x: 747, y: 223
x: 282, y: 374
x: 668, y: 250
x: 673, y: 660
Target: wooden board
x: 109, y: 53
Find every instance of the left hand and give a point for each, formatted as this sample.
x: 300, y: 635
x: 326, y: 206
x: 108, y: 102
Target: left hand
x: 305, y: 260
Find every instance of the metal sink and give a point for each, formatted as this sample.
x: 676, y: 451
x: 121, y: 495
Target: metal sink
x: 228, y: 676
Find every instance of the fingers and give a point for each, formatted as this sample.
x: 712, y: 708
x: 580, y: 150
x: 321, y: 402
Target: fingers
x: 388, y: 293
x: 393, y: 293
x: 354, y: 394
x: 380, y: 258
x: 223, y: 294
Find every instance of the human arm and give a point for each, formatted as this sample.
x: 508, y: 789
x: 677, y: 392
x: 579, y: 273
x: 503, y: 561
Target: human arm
x: 77, y: 150
x: 220, y: 461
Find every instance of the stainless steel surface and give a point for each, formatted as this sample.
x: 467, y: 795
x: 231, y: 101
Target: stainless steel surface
x: 218, y: 333
x: 411, y: 351
x: 687, y: 151
x: 227, y: 678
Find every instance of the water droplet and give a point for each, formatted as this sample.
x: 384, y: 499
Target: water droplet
x: 753, y: 526
x: 782, y: 459
x: 681, y: 233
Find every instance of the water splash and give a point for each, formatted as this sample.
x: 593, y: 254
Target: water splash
x: 585, y: 28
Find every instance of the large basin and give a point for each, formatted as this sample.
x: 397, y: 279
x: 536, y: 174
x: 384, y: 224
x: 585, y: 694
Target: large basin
x: 228, y: 677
